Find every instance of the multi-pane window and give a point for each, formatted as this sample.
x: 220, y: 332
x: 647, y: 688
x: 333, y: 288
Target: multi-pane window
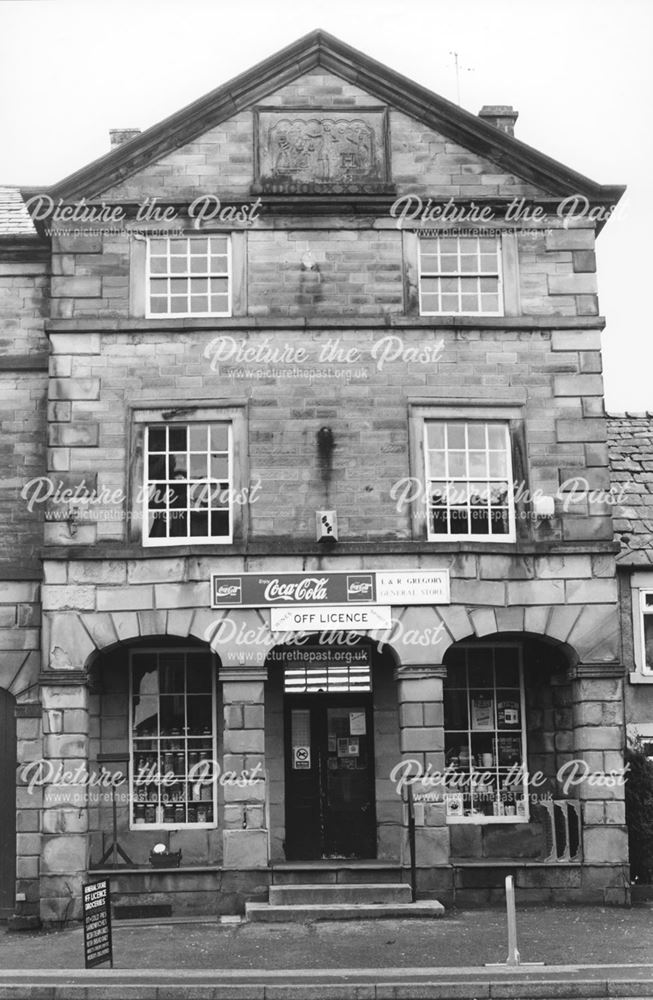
x: 468, y: 480
x: 460, y: 274
x: 646, y: 607
x: 173, y: 739
x: 188, y: 489
x: 311, y: 670
x: 189, y: 276
x: 485, y: 742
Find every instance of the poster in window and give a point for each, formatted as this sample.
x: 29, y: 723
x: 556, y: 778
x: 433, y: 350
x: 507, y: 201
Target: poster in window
x: 357, y: 724
x: 509, y: 751
x: 508, y: 713
x: 482, y: 713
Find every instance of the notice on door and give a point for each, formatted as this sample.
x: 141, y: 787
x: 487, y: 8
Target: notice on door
x: 301, y: 758
x: 357, y: 724
x: 316, y: 619
x: 96, y: 905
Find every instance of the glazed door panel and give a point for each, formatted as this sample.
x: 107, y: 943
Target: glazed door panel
x: 330, y: 808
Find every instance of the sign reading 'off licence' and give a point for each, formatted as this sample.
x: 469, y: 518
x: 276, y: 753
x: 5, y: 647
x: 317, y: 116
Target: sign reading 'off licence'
x: 312, y: 619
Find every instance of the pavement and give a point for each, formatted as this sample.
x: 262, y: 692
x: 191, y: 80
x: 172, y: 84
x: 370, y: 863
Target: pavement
x: 586, y: 951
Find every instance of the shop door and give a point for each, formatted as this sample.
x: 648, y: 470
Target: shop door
x: 330, y: 806
x: 7, y: 804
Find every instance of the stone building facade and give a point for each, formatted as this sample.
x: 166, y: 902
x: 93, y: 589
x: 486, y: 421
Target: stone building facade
x: 321, y: 350
x: 630, y: 439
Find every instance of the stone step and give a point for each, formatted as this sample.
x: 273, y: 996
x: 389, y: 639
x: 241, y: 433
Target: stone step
x: 303, y: 872
x: 296, y: 895
x: 267, y: 912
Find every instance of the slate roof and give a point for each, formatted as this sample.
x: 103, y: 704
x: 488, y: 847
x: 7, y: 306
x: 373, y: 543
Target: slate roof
x: 630, y: 444
x: 15, y: 220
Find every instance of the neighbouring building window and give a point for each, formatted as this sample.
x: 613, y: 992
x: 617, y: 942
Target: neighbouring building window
x: 468, y: 480
x: 189, y: 276
x: 172, y: 739
x: 485, y: 735
x: 188, y: 489
x: 646, y: 626
x: 460, y: 275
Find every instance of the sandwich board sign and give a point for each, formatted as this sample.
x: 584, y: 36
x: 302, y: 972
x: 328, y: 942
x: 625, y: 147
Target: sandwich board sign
x: 96, y: 904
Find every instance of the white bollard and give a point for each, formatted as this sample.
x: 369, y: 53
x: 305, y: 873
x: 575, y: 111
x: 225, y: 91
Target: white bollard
x: 513, y: 950
x: 513, y: 960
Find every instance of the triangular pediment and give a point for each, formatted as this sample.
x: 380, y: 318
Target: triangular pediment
x: 471, y: 145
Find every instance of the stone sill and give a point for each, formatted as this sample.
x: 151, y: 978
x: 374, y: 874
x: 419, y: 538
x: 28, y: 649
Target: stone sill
x: 636, y: 677
x: 148, y: 869
x: 287, y: 547
x: 514, y: 862
x: 312, y: 866
x: 126, y: 325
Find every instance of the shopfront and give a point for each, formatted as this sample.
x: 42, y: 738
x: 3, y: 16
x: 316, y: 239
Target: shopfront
x: 251, y: 749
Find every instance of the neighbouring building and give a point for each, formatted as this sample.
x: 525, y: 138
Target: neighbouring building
x: 630, y: 437
x: 293, y: 387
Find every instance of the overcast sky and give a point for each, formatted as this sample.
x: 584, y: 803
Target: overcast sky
x: 580, y: 73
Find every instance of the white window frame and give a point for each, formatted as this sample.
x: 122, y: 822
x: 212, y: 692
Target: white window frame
x: 432, y: 536
x: 230, y: 412
x: 332, y: 670
x: 188, y: 539
x: 461, y: 274
x: 481, y: 819
x: 133, y: 747
x: 641, y: 585
x: 188, y: 275
x: 644, y: 612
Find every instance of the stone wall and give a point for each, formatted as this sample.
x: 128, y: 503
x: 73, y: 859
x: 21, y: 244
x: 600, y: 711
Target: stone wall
x: 24, y: 295
x: 360, y: 268
x: 543, y: 373
x: 24, y: 288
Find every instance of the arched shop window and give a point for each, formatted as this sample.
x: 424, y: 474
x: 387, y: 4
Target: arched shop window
x: 485, y: 735
x: 172, y: 739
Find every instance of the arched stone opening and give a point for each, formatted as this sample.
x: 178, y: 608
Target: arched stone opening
x: 331, y: 739
x: 154, y: 715
x: 508, y: 734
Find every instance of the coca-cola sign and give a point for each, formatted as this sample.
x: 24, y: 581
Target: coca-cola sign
x: 311, y: 589
x: 360, y: 588
x: 265, y: 590
x: 227, y: 590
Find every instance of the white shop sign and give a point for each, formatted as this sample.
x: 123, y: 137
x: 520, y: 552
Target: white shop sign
x: 420, y: 586
x: 336, y: 616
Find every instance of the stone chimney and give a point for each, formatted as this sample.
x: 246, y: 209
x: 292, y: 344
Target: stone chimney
x: 118, y: 136
x: 502, y: 116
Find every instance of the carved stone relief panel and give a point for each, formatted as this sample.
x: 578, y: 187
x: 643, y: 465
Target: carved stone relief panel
x: 308, y: 151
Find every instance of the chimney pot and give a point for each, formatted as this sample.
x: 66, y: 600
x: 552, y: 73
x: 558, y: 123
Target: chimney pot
x: 502, y: 116
x: 118, y: 136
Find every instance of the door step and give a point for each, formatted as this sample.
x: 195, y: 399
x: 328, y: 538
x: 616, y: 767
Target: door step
x: 342, y: 893
x: 286, y: 913
x: 335, y: 872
